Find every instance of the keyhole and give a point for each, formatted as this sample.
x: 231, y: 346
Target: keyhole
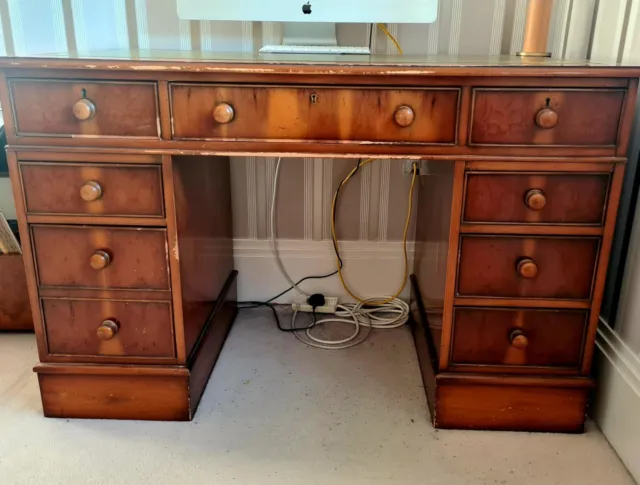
x: 314, y: 98
x: 83, y: 93
x: 548, y: 102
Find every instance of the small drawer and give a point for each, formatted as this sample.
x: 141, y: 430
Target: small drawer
x: 92, y: 189
x: 118, y: 329
x: 424, y: 116
x: 100, y: 257
x: 527, y: 267
x: 549, y: 117
x: 518, y: 337
x: 50, y: 107
x: 535, y: 198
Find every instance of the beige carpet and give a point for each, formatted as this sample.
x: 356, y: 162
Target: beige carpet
x: 277, y: 412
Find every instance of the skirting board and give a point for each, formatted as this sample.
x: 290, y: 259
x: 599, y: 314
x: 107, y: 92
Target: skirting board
x: 371, y: 268
x: 616, y: 407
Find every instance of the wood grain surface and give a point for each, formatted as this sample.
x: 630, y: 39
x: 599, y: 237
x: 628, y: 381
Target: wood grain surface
x: 553, y: 338
x: 114, y: 396
x: 568, y: 198
x: 123, y: 167
x: 124, y: 190
x: 203, y: 247
x: 504, y: 407
x: 488, y: 267
x: 584, y: 117
x: 45, y: 107
x: 138, y: 257
x: 15, y: 311
x: 145, y: 328
x: 313, y: 113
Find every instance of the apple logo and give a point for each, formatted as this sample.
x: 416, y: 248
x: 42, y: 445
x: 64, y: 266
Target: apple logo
x: 306, y: 8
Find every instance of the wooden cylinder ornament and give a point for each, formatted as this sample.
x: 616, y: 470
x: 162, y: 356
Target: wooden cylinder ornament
x: 536, y: 29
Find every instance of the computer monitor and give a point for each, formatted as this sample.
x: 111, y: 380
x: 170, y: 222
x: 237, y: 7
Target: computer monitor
x: 311, y: 23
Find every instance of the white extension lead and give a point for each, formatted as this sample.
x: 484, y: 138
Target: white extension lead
x: 393, y: 314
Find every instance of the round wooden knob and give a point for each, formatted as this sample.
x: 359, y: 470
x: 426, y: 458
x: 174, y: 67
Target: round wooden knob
x: 84, y: 110
x: 546, y: 118
x: 518, y: 339
x: 107, y: 330
x: 90, y: 191
x: 527, y: 268
x: 535, y: 199
x: 404, y: 116
x: 100, y: 260
x: 223, y: 113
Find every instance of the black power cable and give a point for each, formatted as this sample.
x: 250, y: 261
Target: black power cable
x: 256, y: 304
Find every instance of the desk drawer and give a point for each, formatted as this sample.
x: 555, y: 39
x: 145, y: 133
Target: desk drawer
x: 92, y: 189
x: 527, y: 267
x: 314, y: 113
x: 546, y: 117
x: 518, y: 337
x: 109, y: 328
x: 540, y: 198
x: 84, y: 108
x: 101, y: 257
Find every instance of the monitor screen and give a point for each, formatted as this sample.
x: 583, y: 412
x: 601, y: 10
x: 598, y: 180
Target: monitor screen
x: 354, y: 11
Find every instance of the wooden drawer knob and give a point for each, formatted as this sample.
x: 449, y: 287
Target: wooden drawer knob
x: 90, y: 191
x: 546, y: 118
x: 404, y: 116
x: 527, y: 268
x: 84, y: 110
x: 107, y: 330
x: 100, y: 260
x: 535, y: 199
x: 518, y: 339
x: 223, y: 113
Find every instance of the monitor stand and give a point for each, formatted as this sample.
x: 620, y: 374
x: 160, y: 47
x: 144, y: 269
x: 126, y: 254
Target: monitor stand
x: 312, y: 38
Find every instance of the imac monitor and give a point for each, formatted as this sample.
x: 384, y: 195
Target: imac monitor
x: 311, y: 23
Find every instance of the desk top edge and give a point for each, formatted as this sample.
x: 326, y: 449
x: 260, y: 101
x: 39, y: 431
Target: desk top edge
x: 255, y: 63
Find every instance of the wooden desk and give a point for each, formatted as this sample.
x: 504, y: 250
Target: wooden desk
x: 120, y: 168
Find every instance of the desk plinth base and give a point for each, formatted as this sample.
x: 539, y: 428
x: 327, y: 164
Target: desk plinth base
x: 154, y: 393
x: 496, y: 402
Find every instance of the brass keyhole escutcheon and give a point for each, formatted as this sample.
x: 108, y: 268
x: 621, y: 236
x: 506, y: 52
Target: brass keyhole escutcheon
x: 314, y: 98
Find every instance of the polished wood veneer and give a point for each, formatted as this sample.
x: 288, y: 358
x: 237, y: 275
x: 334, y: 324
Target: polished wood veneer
x: 121, y: 175
x: 93, y: 189
x: 420, y: 115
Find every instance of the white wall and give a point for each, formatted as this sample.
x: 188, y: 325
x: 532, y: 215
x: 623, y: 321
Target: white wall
x: 616, y: 406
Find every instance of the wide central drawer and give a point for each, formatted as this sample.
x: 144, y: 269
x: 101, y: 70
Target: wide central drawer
x: 414, y: 115
x: 527, y: 267
x: 100, y: 257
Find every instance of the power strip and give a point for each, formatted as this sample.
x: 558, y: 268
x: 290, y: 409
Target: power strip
x: 330, y: 306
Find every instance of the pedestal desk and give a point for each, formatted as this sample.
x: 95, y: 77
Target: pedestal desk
x: 120, y: 169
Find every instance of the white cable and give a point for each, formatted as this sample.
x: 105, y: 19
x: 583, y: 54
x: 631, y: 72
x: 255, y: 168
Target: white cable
x: 391, y: 315
x: 274, y: 245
